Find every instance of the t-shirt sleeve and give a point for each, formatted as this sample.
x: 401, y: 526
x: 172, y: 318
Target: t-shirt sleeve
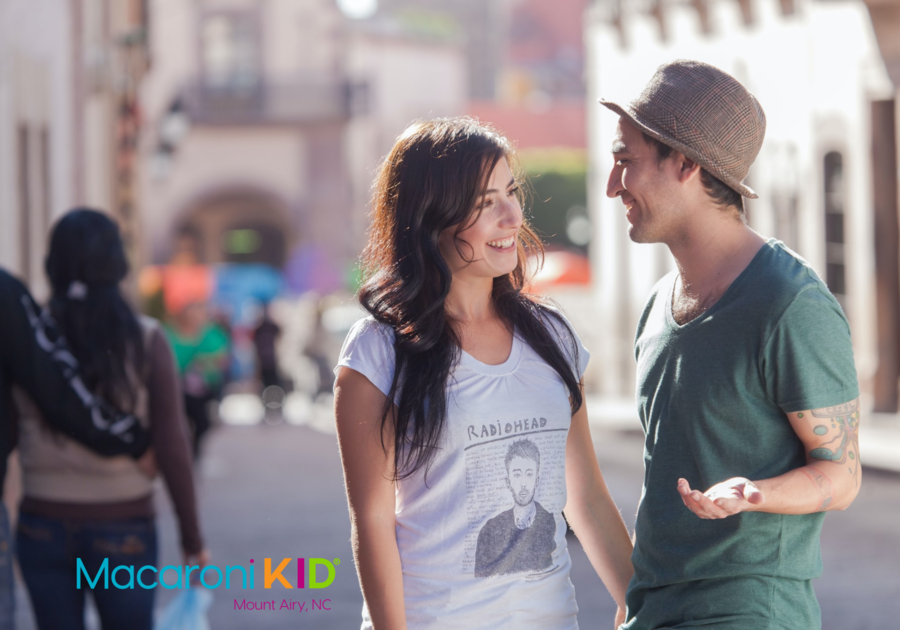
x: 808, y: 360
x: 569, y: 341
x: 369, y: 349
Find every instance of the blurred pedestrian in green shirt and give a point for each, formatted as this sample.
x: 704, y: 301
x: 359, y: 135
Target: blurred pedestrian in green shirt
x: 201, y: 351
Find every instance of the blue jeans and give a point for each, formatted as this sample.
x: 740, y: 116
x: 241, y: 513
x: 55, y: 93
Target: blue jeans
x: 47, y: 549
x: 7, y: 594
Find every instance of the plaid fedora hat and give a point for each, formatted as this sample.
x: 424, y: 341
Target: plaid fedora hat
x: 704, y: 113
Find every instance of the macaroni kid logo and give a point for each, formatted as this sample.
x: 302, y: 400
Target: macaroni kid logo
x: 312, y: 573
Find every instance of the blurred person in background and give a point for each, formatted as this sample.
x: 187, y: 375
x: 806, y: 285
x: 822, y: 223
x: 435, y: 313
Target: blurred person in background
x: 453, y: 364
x: 201, y: 354
x: 746, y: 382
x: 37, y: 359
x: 265, y: 338
x: 221, y: 319
x: 317, y: 350
x: 75, y: 503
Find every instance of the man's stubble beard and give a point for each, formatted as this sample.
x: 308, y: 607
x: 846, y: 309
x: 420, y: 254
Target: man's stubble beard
x: 636, y: 235
x: 642, y: 234
x: 665, y: 229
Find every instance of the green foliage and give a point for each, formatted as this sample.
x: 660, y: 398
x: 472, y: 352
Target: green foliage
x: 558, y: 190
x: 571, y: 161
x: 429, y: 24
x: 353, y: 277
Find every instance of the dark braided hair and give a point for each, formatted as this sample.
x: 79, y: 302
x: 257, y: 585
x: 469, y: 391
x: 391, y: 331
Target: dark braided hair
x: 85, y: 265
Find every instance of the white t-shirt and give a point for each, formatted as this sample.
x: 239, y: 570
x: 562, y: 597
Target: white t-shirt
x: 483, y: 545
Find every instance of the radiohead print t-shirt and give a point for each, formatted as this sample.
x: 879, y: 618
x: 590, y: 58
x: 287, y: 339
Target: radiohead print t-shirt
x: 482, y: 543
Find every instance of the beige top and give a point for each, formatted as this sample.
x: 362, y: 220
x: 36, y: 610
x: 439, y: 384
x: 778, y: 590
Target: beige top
x: 57, y: 468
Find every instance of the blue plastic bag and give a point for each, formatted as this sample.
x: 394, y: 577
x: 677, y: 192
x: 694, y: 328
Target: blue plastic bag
x: 187, y: 611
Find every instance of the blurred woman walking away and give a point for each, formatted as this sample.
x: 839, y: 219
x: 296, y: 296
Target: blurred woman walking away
x: 77, y: 504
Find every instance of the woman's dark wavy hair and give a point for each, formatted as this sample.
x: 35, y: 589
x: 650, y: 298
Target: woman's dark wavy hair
x: 100, y: 326
x: 431, y: 181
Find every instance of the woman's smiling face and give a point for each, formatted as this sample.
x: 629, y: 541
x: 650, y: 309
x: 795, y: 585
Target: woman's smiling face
x: 488, y: 247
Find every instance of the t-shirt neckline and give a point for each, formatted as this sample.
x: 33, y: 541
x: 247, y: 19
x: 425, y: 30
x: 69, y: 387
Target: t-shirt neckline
x: 670, y: 316
x: 510, y: 365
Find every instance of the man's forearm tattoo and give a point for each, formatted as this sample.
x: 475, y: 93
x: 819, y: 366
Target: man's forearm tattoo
x: 839, y: 428
x: 823, y: 486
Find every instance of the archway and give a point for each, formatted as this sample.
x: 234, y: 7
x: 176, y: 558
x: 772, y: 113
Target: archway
x: 234, y: 226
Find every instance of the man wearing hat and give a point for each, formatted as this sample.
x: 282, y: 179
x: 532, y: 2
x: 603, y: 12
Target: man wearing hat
x: 746, y: 386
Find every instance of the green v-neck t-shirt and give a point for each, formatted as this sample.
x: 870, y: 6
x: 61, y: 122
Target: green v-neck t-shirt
x: 712, y: 395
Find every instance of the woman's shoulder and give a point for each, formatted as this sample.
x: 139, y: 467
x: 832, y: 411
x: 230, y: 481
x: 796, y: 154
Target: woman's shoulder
x: 553, y: 317
x: 158, y: 344
x: 154, y: 331
x: 150, y: 324
x: 563, y: 333
x: 371, y: 330
x: 369, y: 349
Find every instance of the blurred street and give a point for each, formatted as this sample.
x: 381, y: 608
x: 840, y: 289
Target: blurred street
x: 233, y: 144
x: 277, y: 491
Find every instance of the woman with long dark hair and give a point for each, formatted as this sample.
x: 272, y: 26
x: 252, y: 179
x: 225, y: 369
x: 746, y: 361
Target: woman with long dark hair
x: 78, y: 506
x: 460, y: 411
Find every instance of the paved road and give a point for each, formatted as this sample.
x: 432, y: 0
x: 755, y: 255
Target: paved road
x: 276, y: 491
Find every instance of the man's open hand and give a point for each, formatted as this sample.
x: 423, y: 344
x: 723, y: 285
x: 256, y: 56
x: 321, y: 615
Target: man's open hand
x: 735, y: 495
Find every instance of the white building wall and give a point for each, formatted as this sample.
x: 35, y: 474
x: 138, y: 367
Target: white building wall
x: 408, y: 80
x: 35, y: 89
x: 174, y: 54
x: 302, y: 38
x: 814, y: 72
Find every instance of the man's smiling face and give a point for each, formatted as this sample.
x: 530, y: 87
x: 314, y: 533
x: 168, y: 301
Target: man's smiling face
x: 646, y: 185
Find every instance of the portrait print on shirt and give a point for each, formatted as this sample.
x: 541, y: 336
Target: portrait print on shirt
x: 515, y: 492
x: 521, y: 538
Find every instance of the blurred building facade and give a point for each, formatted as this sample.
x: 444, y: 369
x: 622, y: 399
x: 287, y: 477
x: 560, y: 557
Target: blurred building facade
x: 539, y: 79
x: 524, y: 58
x: 545, y: 54
x: 483, y: 26
x: 265, y: 122
x: 68, y: 119
x: 826, y: 174
x: 885, y: 16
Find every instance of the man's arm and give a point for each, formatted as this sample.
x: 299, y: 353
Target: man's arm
x: 829, y: 481
x: 37, y: 358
